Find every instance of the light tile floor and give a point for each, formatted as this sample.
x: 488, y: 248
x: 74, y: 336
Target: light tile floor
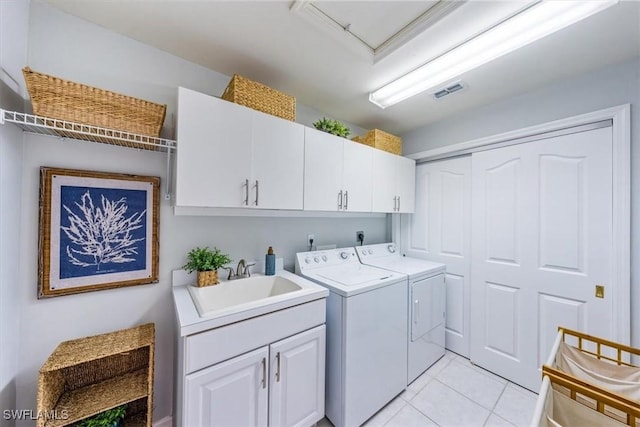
x: 455, y: 393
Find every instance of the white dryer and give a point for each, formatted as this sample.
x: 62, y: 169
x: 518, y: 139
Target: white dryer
x: 366, y: 330
x: 427, y: 303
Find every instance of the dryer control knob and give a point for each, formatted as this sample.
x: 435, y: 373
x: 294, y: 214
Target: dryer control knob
x: 324, y: 258
x: 344, y: 255
x: 364, y: 252
x: 307, y: 260
x: 391, y: 248
x: 316, y: 259
x: 370, y: 251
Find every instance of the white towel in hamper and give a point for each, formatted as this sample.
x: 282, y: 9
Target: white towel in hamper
x: 562, y: 411
x: 620, y: 379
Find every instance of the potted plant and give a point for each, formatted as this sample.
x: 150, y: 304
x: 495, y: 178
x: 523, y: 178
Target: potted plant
x: 111, y: 418
x: 206, y: 262
x: 333, y: 127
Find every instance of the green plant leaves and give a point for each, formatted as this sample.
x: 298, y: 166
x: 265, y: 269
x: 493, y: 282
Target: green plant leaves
x: 333, y: 127
x: 205, y: 259
x: 106, y: 418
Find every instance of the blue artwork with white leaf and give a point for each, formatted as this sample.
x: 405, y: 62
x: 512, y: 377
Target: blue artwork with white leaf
x: 102, y: 230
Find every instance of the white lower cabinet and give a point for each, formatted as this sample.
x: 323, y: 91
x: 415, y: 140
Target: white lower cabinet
x: 231, y: 393
x: 281, y: 384
x: 296, y: 389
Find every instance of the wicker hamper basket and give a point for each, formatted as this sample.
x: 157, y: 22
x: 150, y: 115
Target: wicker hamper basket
x: 381, y: 140
x: 61, y: 99
x: 259, y: 97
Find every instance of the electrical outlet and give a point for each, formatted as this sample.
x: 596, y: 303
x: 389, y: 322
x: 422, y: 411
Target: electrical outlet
x: 310, y: 240
x: 360, y: 236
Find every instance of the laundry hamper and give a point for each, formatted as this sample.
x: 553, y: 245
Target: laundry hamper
x: 566, y: 403
x: 595, y: 372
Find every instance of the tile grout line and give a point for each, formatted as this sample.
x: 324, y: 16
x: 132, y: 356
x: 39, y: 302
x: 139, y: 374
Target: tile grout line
x: 457, y: 392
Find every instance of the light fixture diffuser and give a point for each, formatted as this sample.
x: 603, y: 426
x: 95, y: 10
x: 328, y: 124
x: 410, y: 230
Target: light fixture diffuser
x: 532, y: 24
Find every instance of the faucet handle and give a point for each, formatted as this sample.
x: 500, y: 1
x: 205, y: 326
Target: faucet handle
x: 231, y: 273
x: 247, y: 271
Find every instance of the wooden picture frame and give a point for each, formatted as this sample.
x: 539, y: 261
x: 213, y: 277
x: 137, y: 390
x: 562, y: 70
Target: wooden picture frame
x: 97, y: 230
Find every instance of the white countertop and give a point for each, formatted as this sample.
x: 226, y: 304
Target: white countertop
x: 190, y: 321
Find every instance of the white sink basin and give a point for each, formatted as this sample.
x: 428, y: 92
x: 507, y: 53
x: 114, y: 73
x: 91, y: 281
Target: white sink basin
x: 241, y: 293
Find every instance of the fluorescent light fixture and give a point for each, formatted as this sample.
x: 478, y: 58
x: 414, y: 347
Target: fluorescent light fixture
x: 533, y: 23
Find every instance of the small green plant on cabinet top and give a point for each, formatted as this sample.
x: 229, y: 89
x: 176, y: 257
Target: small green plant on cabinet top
x: 205, y: 259
x: 333, y: 127
x: 109, y: 418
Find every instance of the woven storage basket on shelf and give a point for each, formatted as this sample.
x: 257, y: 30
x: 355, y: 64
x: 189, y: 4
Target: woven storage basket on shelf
x: 61, y: 99
x: 87, y: 376
x: 259, y: 97
x: 381, y: 140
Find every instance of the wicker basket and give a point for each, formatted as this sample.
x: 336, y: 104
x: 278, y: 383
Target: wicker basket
x: 259, y: 97
x: 86, y: 376
x: 207, y: 278
x: 381, y: 140
x: 74, y: 102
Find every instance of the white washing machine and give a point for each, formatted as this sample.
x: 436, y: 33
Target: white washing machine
x: 366, y: 333
x: 427, y: 303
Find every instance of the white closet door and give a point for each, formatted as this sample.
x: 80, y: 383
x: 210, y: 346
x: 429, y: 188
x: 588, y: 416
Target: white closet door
x: 439, y: 231
x: 542, y: 241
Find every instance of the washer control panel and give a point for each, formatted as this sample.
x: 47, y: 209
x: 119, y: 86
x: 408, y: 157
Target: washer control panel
x: 316, y: 259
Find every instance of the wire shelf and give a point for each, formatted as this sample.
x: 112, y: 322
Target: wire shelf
x: 64, y: 129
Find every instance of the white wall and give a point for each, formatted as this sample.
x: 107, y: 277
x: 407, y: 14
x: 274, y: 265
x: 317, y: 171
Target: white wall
x: 65, y: 46
x: 615, y: 85
x: 13, y: 53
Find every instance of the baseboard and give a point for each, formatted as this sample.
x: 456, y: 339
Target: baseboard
x: 165, y: 422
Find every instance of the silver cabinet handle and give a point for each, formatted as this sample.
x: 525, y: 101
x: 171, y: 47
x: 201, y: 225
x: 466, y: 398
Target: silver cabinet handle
x: 246, y: 192
x: 278, y: 367
x: 416, y: 310
x: 395, y: 203
x: 346, y: 199
x: 340, y: 200
x: 264, y: 372
x: 398, y: 203
x: 257, y: 191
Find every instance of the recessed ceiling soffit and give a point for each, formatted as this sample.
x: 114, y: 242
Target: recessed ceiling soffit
x: 374, y: 29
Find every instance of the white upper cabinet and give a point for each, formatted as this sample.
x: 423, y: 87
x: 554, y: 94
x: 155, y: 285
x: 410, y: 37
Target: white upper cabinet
x: 405, y: 173
x: 213, y: 158
x: 278, y: 163
x: 393, y: 183
x: 337, y: 173
x: 231, y: 156
x: 357, y: 177
x: 322, y: 171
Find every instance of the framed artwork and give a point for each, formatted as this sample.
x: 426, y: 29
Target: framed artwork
x: 97, y: 231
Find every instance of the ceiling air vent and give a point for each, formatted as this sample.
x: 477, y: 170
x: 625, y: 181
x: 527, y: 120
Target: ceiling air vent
x: 455, y: 87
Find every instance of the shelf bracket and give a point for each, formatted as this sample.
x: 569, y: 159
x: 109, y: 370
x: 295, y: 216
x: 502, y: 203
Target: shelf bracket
x: 169, y: 177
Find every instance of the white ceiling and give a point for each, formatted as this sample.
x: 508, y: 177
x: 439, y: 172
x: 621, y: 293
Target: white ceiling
x: 274, y: 43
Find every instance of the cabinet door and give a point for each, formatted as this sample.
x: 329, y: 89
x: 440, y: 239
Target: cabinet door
x: 357, y: 177
x: 384, y: 186
x: 277, y: 162
x: 322, y: 170
x: 231, y: 393
x: 406, y: 184
x: 214, y: 147
x: 297, y: 379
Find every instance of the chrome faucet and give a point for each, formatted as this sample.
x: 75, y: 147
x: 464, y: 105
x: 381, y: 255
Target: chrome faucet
x: 242, y: 270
